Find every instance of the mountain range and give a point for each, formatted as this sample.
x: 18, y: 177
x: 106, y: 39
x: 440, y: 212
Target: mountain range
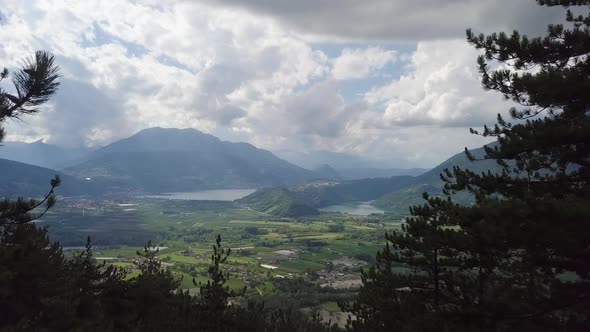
x: 158, y: 160
x: 393, y: 194
x: 347, y: 166
x: 357, y: 173
x: 153, y: 160
x: 164, y: 160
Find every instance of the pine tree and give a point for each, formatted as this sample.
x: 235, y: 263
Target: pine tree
x: 215, y: 294
x: 541, y: 198
x: 409, y: 287
x: 519, y: 258
x: 34, y: 84
x: 32, y: 276
x: 90, y: 290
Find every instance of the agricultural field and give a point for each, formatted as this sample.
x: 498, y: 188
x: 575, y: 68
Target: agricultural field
x: 270, y: 257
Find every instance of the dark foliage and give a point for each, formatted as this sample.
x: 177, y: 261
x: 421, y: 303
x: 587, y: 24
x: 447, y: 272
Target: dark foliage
x: 41, y: 289
x: 519, y: 258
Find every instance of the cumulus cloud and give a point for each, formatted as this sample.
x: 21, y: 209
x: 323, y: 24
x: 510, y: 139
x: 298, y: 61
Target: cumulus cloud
x: 401, y: 19
x: 361, y: 63
x: 175, y: 65
x: 83, y: 115
x: 251, y: 71
x: 441, y: 87
x: 320, y: 111
x: 424, y: 146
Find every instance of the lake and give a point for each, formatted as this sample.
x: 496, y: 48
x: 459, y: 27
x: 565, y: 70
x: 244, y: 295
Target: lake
x: 354, y: 208
x: 206, y: 195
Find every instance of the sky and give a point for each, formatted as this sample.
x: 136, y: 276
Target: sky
x: 389, y: 80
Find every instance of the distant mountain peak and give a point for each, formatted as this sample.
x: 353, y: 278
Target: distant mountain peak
x: 171, y: 132
x: 169, y: 159
x: 160, y: 139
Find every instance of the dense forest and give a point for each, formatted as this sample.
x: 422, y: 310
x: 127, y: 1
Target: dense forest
x: 516, y: 259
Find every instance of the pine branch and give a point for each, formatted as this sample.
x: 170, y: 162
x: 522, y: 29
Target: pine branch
x: 22, y: 214
x: 34, y: 83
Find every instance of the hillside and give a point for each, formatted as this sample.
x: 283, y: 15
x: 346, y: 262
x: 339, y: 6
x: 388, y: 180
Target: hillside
x: 394, y: 194
x: 432, y: 177
x: 319, y: 194
x: 304, y: 199
x: 398, y: 201
x: 23, y: 180
x: 279, y: 202
x: 163, y: 160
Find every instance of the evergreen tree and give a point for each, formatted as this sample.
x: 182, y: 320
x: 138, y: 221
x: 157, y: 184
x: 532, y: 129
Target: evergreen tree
x: 541, y: 198
x: 408, y: 289
x: 32, y: 278
x: 32, y: 275
x: 35, y: 82
x: 519, y: 258
x: 215, y: 293
x: 90, y: 288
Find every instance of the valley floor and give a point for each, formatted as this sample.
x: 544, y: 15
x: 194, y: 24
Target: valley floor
x: 271, y: 257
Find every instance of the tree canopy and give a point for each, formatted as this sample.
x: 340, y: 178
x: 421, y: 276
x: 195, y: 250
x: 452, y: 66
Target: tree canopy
x: 519, y: 258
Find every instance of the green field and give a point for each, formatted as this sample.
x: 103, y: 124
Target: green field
x: 277, y: 259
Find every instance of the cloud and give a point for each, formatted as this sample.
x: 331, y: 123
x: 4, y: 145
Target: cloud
x: 82, y: 115
x: 401, y: 20
x: 361, y: 63
x: 227, y: 113
x: 418, y: 119
x: 319, y: 111
x: 175, y: 65
x: 404, y: 147
x: 441, y: 87
x: 252, y: 71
